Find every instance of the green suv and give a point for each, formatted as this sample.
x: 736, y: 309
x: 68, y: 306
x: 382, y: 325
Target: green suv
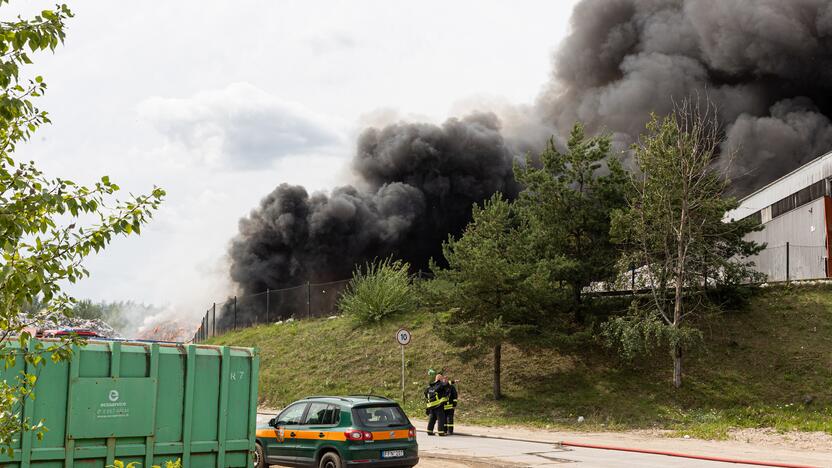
x: 338, y: 432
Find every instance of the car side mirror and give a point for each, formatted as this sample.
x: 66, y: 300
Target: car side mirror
x: 273, y: 422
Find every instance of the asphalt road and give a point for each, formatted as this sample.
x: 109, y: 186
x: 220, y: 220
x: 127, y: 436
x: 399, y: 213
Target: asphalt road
x: 460, y: 451
x: 479, y: 451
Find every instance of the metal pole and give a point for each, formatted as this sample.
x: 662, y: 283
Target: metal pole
x: 214, y: 314
x: 787, y: 263
x: 267, y: 305
x: 235, y: 312
x: 308, y: 300
x: 402, y: 375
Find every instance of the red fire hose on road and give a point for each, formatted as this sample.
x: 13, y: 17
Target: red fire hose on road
x: 683, y: 455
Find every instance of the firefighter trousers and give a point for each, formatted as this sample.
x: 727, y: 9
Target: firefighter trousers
x: 449, y: 420
x: 437, y: 415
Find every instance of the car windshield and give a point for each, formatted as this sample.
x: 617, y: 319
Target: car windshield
x: 380, y: 416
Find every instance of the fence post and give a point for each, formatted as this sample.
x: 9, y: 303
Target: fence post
x: 267, y: 305
x: 214, y: 315
x: 308, y: 299
x: 788, y: 278
x: 235, y: 312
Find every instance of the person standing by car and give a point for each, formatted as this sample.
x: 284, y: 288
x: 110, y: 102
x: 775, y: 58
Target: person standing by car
x: 436, y: 395
x: 450, y: 405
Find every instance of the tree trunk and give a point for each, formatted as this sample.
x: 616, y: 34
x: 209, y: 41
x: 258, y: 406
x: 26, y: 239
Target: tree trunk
x: 677, y: 366
x: 497, y: 358
x: 681, y: 258
x: 579, y: 307
x: 677, y: 322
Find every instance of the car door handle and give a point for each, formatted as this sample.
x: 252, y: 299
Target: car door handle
x: 321, y: 435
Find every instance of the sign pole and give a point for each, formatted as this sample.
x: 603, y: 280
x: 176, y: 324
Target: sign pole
x: 403, y: 338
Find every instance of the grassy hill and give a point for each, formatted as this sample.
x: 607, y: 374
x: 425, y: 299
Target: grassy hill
x: 762, y: 363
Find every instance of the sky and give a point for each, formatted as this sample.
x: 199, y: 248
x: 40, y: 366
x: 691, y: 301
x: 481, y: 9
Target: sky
x: 220, y: 102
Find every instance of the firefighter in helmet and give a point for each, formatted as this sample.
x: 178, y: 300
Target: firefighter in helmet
x: 450, y: 405
x: 436, y: 396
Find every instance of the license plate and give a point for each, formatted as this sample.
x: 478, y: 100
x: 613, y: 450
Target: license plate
x: 392, y: 453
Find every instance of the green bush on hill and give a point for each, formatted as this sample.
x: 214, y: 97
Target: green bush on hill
x: 378, y: 290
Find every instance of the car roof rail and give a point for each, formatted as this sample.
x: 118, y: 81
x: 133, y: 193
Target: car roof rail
x: 314, y: 397
x: 370, y: 395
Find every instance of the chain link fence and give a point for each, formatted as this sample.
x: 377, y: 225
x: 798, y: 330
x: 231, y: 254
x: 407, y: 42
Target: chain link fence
x: 310, y: 300
x: 788, y: 262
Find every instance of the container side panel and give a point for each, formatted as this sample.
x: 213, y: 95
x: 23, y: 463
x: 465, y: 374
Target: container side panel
x: 206, y: 460
x: 94, y: 362
x: 89, y: 463
x: 206, y: 397
x: 235, y: 460
x: 10, y: 377
x: 253, y: 399
x: 222, y: 422
x: 188, y: 424
x: 170, y: 407
x: 143, y: 405
x: 48, y: 464
x: 134, y: 361
x: 238, y: 397
x: 50, y: 404
x: 112, y: 407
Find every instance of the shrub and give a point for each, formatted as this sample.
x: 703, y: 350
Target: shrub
x: 378, y: 290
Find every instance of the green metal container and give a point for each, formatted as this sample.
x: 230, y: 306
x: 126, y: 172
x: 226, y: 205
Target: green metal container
x: 142, y: 402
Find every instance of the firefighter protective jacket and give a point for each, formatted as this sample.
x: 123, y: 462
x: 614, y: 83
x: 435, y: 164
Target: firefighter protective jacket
x: 437, y: 394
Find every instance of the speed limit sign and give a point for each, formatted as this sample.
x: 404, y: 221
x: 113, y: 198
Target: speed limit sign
x: 403, y: 336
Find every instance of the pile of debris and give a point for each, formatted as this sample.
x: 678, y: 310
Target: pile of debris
x: 167, y: 330
x: 157, y: 328
x: 45, y: 324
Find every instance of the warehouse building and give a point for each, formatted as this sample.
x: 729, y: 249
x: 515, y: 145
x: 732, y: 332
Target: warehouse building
x: 796, y: 213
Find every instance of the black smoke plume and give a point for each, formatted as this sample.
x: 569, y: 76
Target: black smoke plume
x: 417, y: 184
x: 766, y: 65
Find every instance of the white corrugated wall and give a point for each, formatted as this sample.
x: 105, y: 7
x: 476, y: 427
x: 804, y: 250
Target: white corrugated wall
x: 804, y: 176
x: 804, y: 228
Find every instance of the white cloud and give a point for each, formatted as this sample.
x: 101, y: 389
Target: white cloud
x: 152, y: 103
x: 239, y: 126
